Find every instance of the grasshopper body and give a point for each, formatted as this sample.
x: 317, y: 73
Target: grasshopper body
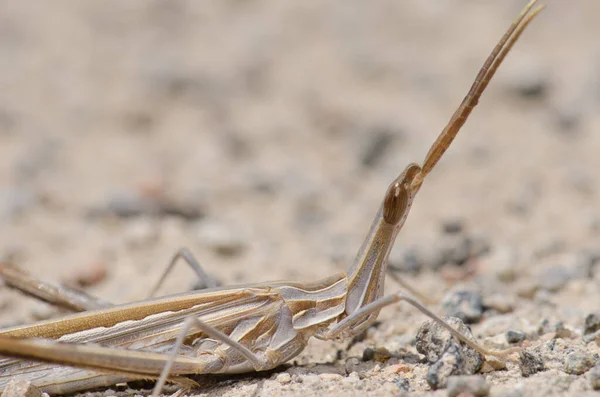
x: 231, y: 329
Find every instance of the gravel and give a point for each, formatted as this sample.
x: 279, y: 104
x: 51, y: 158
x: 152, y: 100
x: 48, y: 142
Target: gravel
x: 446, y: 355
x: 530, y: 363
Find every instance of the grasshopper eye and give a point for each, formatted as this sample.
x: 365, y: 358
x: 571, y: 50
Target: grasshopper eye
x: 399, y: 196
x: 395, y: 203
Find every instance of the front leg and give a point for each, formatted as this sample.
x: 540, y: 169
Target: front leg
x: 355, y: 323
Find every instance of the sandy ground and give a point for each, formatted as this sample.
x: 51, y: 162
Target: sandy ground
x: 262, y: 135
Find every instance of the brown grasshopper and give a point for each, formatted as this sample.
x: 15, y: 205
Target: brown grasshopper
x: 227, y: 330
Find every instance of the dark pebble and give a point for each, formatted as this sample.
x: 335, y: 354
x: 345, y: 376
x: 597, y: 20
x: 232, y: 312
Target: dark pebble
x: 513, y: 336
x: 380, y: 354
x: 592, y: 323
x: 530, y: 363
x: 447, y: 355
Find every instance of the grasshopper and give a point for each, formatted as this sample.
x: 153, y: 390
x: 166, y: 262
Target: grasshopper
x: 236, y: 329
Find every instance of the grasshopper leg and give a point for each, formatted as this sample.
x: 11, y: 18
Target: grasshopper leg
x: 55, y: 294
x: 185, y: 254
x: 192, y: 321
x: 347, y: 324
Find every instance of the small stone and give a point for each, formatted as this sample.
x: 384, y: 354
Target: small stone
x: 592, y: 323
x: 530, y: 363
x: 464, y: 304
x: 352, y: 365
x: 284, y: 378
x: 594, y: 336
x: 595, y: 377
x: 368, y: 354
x: 21, y: 388
x: 331, y: 377
x: 578, y: 363
x: 448, y: 355
x: 473, y: 385
x: 513, y: 336
x: 380, y: 354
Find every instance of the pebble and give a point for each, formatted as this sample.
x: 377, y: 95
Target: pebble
x: 592, y: 323
x: 530, y: 363
x: 594, y: 336
x: 513, y: 336
x: 355, y: 365
x: 380, y: 354
x: 595, y: 377
x: 472, y: 385
x: 464, y: 304
x: 284, y: 378
x: 21, y: 388
x: 448, y: 355
x: 331, y: 377
x: 578, y: 363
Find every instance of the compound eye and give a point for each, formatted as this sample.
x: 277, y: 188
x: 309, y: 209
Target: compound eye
x: 395, y: 203
x: 398, y: 197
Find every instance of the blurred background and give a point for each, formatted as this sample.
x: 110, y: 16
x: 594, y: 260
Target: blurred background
x: 262, y: 135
